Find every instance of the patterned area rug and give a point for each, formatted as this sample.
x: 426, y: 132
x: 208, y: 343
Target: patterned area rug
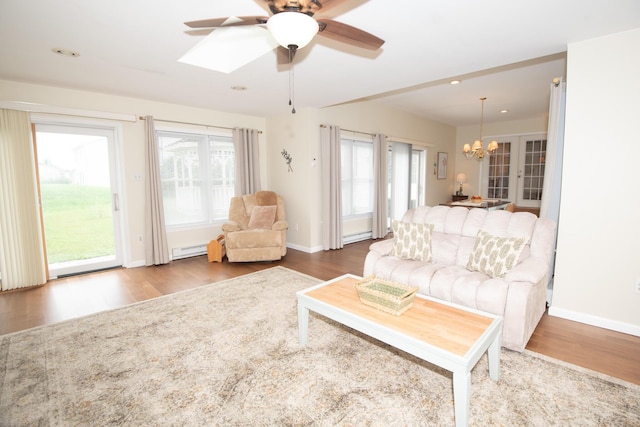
x: 227, y: 354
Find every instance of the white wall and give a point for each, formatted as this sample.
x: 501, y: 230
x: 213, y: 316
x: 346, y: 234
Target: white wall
x: 132, y: 145
x: 598, y: 259
x: 299, y: 134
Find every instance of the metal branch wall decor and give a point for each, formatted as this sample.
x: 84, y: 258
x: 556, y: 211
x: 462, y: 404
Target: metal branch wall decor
x: 288, y: 159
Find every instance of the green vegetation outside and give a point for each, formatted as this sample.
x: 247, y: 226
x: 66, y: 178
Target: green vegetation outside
x: 77, y: 222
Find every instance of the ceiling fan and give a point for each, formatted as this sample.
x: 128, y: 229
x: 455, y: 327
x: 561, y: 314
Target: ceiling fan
x: 293, y: 26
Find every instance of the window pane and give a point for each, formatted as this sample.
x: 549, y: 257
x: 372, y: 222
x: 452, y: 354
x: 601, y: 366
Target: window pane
x: 197, y: 174
x: 357, y: 177
x: 499, y: 172
x: 221, y: 176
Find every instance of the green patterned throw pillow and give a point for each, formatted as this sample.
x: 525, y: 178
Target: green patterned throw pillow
x: 411, y: 241
x: 495, y: 256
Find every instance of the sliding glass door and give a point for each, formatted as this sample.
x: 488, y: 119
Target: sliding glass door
x: 78, y: 198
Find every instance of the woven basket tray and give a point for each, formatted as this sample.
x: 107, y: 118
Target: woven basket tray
x: 390, y: 297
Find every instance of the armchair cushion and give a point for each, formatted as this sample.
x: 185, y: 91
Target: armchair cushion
x: 262, y: 217
x: 266, y: 198
x: 231, y: 226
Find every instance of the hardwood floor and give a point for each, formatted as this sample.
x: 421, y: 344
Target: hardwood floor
x: 609, y: 352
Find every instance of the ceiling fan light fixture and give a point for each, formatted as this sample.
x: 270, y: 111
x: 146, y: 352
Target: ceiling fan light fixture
x: 292, y: 28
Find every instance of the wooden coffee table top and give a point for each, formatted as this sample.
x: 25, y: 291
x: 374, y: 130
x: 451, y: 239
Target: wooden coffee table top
x: 447, y: 327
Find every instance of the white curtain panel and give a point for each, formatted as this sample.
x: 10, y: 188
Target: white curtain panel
x: 22, y: 257
x: 381, y: 179
x: 331, y: 188
x: 550, y: 203
x: 156, y: 248
x: 247, y: 176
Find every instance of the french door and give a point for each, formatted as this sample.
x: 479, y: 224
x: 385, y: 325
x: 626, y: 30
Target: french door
x: 79, y: 200
x: 516, y: 170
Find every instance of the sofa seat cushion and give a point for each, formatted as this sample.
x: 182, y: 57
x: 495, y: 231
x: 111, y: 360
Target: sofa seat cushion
x: 257, y: 238
x: 472, y: 289
x: 409, y: 272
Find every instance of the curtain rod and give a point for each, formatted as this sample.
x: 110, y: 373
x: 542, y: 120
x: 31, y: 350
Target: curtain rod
x: 31, y: 107
x: 190, y: 123
x: 353, y: 131
x: 392, y: 138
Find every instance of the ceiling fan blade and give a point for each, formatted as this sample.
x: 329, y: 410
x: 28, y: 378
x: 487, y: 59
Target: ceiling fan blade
x: 347, y: 34
x: 328, y: 4
x: 230, y: 21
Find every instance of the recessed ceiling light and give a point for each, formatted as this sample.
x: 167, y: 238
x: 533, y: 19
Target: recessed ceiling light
x: 504, y: 111
x: 65, y: 52
x: 455, y: 82
x: 240, y: 88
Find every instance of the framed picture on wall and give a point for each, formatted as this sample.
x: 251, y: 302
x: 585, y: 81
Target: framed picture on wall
x: 443, y: 159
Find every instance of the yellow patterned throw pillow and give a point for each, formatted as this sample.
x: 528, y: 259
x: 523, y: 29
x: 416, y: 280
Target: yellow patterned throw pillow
x: 411, y: 241
x: 495, y: 256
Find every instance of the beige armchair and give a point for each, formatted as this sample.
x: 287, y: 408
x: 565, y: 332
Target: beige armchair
x: 257, y: 229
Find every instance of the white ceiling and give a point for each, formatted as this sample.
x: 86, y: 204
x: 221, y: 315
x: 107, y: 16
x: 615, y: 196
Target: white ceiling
x: 505, y: 50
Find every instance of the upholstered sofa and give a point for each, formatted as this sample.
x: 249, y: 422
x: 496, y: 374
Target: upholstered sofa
x: 257, y: 228
x: 494, y: 261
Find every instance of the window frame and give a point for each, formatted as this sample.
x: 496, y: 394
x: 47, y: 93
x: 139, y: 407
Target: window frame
x: 205, y: 156
x: 356, y: 142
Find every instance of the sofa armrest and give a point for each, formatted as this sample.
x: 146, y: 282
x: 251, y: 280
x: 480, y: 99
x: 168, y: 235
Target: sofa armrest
x: 231, y: 226
x: 532, y: 269
x: 382, y: 247
x: 280, y: 225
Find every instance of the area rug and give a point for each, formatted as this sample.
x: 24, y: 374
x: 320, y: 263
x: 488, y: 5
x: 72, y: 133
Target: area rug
x: 227, y: 354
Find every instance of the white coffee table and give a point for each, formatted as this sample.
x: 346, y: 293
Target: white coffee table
x: 448, y: 335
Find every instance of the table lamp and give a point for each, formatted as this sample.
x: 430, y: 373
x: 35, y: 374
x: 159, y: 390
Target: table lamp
x: 460, y: 178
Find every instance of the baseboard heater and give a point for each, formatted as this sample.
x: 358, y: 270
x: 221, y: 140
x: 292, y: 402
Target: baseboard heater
x: 179, y: 253
x: 356, y: 237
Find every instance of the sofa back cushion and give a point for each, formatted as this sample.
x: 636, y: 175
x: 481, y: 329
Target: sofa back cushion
x: 498, y: 223
x: 455, y: 229
x: 447, y: 228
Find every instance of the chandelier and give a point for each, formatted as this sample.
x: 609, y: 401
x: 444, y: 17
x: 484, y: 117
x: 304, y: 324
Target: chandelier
x: 476, y: 149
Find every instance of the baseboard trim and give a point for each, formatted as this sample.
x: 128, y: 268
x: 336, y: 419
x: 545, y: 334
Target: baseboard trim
x: 135, y: 264
x: 305, y: 248
x: 601, y: 322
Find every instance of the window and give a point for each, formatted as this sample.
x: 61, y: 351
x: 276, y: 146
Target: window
x: 357, y: 176
x: 197, y: 174
x: 536, y: 150
x: 418, y: 177
x: 499, y: 172
x: 407, y: 174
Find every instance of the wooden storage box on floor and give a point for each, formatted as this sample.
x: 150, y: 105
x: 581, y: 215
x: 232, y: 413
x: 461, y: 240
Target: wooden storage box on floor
x: 216, y: 250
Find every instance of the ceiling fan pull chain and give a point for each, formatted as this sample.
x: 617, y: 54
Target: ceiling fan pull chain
x: 292, y: 50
